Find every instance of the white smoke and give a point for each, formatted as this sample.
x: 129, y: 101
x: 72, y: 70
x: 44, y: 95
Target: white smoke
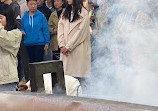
x: 125, y: 52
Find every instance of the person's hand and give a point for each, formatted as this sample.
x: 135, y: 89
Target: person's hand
x: 92, y: 17
x: 55, y: 31
x: 92, y: 24
x: 64, y: 50
x: 66, y: 54
x: 23, y: 33
x: 46, y: 47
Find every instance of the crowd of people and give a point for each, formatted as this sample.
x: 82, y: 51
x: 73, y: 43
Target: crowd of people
x: 32, y: 28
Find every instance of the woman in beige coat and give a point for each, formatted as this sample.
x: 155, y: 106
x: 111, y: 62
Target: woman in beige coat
x: 74, y: 40
x: 10, y: 38
x: 53, y: 25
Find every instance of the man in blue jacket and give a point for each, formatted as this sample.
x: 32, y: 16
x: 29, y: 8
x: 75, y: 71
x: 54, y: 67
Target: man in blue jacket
x: 35, y: 31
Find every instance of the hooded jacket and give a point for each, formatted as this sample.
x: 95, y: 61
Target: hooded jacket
x: 36, y: 29
x: 9, y: 46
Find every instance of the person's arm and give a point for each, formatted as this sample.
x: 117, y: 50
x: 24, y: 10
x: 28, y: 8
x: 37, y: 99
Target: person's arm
x: 18, y: 16
x: 50, y: 25
x: 77, y: 39
x: 23, y: 28
x: 60, y: 34
x: 19, y: 23
x: 45, y: 32
x: 9, y: 40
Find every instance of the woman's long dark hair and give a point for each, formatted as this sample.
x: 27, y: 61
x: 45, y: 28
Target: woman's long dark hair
x: 7, y: 11
x: 77, y: 7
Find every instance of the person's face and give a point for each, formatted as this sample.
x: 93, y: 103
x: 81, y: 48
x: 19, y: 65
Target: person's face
x: 70, y: 2
x: 3, y: 20
x: 58, y: 3
x: 40, y: 2
x: 3, y: 1
x: 32, y: 5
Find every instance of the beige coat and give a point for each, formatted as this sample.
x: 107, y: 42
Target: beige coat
x: 9, y: 46
x: 52, y: 24
x: 75, y: 37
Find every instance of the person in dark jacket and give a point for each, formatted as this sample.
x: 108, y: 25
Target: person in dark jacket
x: 49, y: 4
x: 16, y: 9
x: 44, y: 9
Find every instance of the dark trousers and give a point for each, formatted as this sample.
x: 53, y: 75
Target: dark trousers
x: 35, y: 53
x: 23, y: 61
x: 56, y: 55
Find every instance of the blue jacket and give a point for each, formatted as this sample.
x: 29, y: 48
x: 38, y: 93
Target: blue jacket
x: 36, y: 29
